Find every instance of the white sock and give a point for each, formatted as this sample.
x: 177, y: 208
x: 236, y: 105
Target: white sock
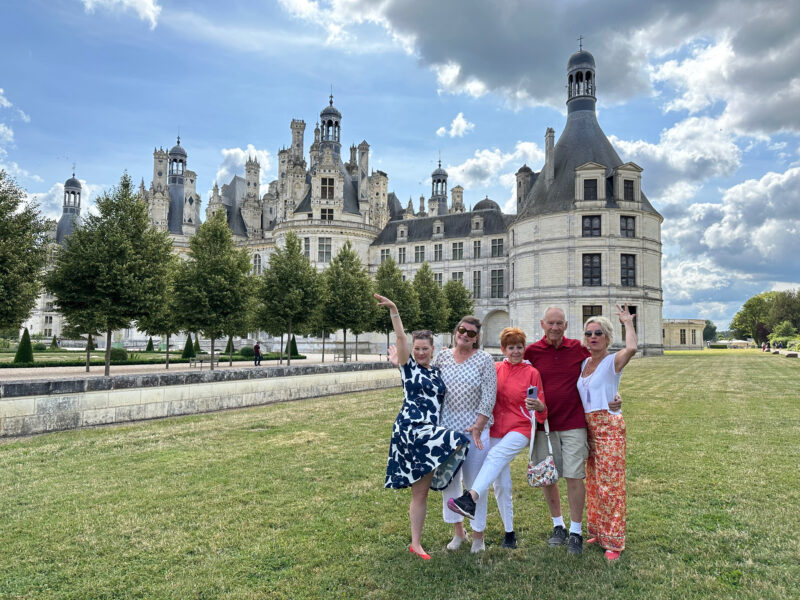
x: 575, y: 527
x: 558, y: 521
x: 477, y: 545
x: 455, y: 543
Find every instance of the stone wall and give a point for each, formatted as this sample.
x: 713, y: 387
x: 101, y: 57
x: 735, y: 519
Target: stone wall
x: 28, y: 407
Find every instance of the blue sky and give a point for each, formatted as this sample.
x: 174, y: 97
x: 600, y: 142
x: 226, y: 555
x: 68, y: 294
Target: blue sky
x: 705, y: 96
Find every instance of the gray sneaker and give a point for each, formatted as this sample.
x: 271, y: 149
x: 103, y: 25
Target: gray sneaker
x: 559, y: 537
x: 575, y: 544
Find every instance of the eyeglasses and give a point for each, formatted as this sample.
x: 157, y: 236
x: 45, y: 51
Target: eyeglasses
x: 422, y: 333
x: 596, y: 332
x: 471, y: 333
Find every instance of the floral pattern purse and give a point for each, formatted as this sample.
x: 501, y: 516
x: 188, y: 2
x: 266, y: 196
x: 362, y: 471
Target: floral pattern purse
x: 544, y: 472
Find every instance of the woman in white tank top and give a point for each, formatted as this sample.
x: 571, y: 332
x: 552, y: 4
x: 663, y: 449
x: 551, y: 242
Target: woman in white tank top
x: 605, y: 467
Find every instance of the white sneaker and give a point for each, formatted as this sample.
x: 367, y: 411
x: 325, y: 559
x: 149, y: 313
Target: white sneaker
x: 477, y: 546
x: 455, y: 543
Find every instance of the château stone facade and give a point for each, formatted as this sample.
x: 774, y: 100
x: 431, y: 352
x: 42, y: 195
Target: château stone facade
x: 584, y: 238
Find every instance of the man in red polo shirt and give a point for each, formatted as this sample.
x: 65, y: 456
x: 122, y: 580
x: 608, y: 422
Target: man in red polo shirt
x: 558, y: 359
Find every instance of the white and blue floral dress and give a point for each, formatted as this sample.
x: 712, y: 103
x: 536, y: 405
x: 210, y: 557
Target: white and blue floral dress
x: 419, y: 445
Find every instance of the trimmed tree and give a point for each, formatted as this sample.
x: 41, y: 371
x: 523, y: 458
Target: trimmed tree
x: 709, y: 331
x: 114, y: 266
x: 289, y: 290
x: 164, y: 320
x: 389, y: 282
x: 188, y: 348
x: 212, y: 285
x: 196, y: 347
x: 459, y: 303
x: 23, y: 253
x: 24, y: 350
x: 433, y: 308
x: 149, y: 347
x: 54, y: 343
x: 348, y: 301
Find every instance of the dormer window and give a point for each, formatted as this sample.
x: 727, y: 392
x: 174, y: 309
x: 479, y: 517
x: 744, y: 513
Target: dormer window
x: 628, y: 183
x: 477, y: 225
x: 590, y: 181
x: 590, y: 189
x: 402, y: 232
x: 438, y: 229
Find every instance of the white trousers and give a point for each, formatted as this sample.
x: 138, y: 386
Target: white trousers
x: 465, y: 476
x: 497, y: 468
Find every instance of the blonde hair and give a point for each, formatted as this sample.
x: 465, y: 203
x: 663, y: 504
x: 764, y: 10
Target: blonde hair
x: 512, y: 335
x: 605, y: 325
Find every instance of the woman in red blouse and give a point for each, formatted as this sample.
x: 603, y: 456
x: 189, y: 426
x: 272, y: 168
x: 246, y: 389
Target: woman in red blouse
x: 510, y: 434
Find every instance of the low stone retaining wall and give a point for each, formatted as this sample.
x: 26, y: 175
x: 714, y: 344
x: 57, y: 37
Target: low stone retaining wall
x: 28, y: 407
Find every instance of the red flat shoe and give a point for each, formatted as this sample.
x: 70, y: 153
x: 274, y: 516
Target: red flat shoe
x: 611, y: 555
x: 422, y: 555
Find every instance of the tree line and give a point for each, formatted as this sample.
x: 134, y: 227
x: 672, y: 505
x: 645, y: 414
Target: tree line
x: 768, y: 316
x: 116, y: 271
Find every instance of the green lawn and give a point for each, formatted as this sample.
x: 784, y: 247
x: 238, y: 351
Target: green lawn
x: 286, y: 501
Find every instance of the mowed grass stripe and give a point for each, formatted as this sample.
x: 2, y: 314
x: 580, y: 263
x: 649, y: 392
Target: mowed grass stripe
x: 287, y: 501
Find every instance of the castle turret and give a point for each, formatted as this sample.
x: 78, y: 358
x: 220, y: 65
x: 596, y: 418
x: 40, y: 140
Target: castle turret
x: 331, y: 119
x: 70, y: 209
x: 438, y: 202
x: 298, y: 129
x: 177, y: 166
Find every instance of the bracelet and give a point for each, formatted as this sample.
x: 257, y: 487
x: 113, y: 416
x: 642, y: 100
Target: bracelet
x: 392, y: 316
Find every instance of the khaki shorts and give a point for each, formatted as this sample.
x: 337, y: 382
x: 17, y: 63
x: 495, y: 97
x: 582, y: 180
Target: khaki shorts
x: 570, y: 451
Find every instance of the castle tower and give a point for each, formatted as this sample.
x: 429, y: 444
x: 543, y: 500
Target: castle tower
x: 331, y: 120
x: 581, y: 82
x: 438, y: 202
x: 524, y: 176
x: 251, y: 206
x: 363, y: 171
x: 298, y: 129
x: 159, y: 170
x: 177, y: 165
x: 313, y: 151
x: 457, y: 195
x: 70, y: 209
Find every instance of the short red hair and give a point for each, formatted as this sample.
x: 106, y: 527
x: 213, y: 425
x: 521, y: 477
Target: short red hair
x: 512, y: 335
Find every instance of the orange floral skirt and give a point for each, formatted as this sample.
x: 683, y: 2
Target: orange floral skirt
x: 605, y: 480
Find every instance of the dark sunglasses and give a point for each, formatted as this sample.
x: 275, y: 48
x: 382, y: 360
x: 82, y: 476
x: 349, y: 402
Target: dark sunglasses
x: 470, y: 333
x: 596, y: 332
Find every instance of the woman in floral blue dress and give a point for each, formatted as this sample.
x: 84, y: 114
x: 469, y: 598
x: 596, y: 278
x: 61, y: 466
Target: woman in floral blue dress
x: 422, y: 454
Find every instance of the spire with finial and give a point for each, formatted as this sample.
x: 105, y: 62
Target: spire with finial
x: 580, y: 43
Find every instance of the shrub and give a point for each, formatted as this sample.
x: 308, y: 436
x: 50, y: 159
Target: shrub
x: 149, y: 345
x: 54, y: 343
x: 293, y: 348
x: 24, y: 351
x: 188, y: 349
x: 39, y: 347
x: 229, y: 349
x: 719, y: 346
x: 247, y: 351
x: 196, y: 344
x: 119, y: 354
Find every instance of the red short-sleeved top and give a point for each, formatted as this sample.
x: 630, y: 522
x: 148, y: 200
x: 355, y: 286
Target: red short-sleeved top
x: 510, y: 413
x: 560, y: 368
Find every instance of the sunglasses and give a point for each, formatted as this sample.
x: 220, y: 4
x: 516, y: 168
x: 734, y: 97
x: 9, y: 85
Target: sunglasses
x: 422, y: 333
x: 596, y: 332
x: 470, y: 333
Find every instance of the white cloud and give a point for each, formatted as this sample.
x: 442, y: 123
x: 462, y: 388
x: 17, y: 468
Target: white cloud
x: 148, y: 10
x: 50, y: 202
x: 693, y: 150
x: 233, y: 163
x: 702, y: 79
x: 458, y: 128
x: 6, y: 134
x: 487, y: 166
